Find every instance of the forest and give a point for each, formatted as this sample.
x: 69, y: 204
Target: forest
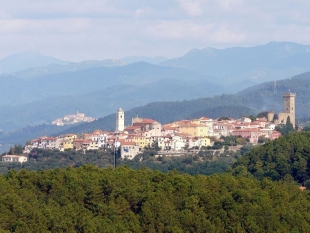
x: 90, y: 199
x: 250, y: 190
x: 205, y: 162
x: 285, y: 158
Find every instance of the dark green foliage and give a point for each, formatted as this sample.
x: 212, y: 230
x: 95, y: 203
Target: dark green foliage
x: 253, y: 118
x: 40, y: 159
x: 89, y: 199
x: 278, y: 159
x: 262, y: 114
x: 205, y: 163
x: 16, y: 150
x: 285, y: 129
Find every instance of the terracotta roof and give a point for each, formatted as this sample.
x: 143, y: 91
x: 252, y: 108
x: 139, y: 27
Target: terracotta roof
x: 98, y: 132
x: 132, y: 127
x: 147, y: 120
x: 169, y: 128
x: 204, y: 119
x: 128, y: 143
x: 50, y: 139
x: 192, y: 125
x: 78, y: 140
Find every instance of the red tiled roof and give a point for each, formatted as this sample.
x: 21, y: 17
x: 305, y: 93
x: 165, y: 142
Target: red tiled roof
x: 128, y: 143
x: 49, y: 139
x: 132, y: 127
x: 78, y: 140
x: 204, y: 119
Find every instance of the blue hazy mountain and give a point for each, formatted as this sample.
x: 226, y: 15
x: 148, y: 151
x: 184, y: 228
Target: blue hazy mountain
x: 35, y: 72
x: 259, y: 98
x: 262, y: 97
x: 96, y: 87
x: 23, y: 90
x: 151, y: 60
x: 96, y: 92
x: 257, y: 64
x: 25, y: 60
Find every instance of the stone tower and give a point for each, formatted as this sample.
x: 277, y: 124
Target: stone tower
x: 289, y: 108
x: 120, y: 120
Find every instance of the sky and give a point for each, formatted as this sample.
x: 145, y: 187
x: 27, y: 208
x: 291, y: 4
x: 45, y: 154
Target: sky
x: 76, y: 30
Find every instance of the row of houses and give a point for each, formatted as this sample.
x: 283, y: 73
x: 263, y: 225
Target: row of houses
x: 175, y: 136
x: 243, y: 127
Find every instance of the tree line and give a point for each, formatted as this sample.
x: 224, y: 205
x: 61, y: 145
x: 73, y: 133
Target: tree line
x: 90, y: 199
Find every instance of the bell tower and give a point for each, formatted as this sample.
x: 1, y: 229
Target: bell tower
x: 120, y: 120
x: 289, y: 106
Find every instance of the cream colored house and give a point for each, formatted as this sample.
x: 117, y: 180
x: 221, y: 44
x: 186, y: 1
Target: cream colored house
x: 129, y: 150
x: 194, y: 130
x: 14, y: 158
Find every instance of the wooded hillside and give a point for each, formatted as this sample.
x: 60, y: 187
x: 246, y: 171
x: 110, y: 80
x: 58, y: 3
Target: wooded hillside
x: 287, y: 158
x: 89, y: 199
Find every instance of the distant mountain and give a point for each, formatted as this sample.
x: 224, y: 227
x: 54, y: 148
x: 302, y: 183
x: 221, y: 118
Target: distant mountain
x: 262, y: 97
x: 26, y: 60
x: 72, y: 67
x: 22, y: 91
x: 102, y: 101
x: 273, y: 61
x: 152, y: 60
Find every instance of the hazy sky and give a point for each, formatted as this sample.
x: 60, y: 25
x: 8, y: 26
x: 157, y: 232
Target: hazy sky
x: 78, y: 30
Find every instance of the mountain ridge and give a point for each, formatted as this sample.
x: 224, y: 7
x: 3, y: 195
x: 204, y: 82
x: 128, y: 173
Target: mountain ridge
x: 24, y: 60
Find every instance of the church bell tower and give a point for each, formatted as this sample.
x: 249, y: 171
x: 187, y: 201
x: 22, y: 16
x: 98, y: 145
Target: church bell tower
x: 120, y: 120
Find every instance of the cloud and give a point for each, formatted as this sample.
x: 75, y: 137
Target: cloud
x: 100, y: 29
x: 191, y: 7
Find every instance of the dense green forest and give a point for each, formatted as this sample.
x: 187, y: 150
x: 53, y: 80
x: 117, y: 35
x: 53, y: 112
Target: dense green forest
x: 284, y: 158
x: 257, y: 193
x: 90, y: 199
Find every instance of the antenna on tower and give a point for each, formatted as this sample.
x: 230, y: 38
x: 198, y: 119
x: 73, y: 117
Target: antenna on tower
x: 275, y: 87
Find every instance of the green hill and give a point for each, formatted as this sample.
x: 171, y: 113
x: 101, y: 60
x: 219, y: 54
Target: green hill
x: 285, y: 158
x: 89, y: 199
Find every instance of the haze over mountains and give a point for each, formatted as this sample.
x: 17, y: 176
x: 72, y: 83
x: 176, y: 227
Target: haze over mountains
x: 25, y: 60
x: 245, y: 66
x: 41, y: 94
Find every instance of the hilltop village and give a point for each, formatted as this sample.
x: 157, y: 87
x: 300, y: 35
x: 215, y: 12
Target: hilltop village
x: 72, y: 119
x: 169, y: 138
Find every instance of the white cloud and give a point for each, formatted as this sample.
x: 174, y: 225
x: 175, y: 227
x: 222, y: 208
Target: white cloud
x: 100, y: 29
x: 192, y: 7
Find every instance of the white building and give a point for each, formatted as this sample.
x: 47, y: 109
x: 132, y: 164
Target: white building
x: 129, y: 150
x: 120, y: 120
x: 14, y: 158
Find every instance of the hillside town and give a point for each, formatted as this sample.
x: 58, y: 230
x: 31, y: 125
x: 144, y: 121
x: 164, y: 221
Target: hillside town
x: 169, y: 138
x: 72, y: 119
